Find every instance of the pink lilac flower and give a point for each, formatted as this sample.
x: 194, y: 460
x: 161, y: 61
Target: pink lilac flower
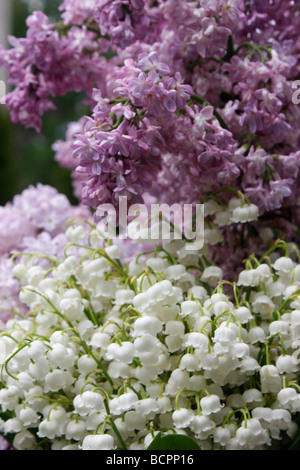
x: 121, y: 158
x: 14, y: 226
x: 186, y: 98
x: 126, y: 21
x: 44, y: 65
x: 4, y: 445
x: 9, y: 290
x: 45, y: 208
x: 34, y: 223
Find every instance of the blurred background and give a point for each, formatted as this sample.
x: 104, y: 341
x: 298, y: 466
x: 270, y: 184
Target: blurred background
x: 25, y: 156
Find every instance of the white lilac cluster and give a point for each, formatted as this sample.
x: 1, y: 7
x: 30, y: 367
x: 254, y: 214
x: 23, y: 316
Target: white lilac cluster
x: 110, y: 354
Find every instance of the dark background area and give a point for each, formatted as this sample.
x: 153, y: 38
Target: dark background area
x: 26, y: 157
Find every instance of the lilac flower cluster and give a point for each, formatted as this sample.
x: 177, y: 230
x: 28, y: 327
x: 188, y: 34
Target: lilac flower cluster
x: 187, y: 99
x: 119, y: 150
x: 190, y: 102
x: 49, y: 62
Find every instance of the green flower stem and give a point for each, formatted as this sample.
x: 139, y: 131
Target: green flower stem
x: 267, y: 353
x: 244, y: 411
x: 5, y: 365
x: 203, y: 102
x: 255, y: 49
x: 289, y: 300
x: 110, y: 419
x: 294, y: 384
x: 194, y: 392
x: 82, y: 342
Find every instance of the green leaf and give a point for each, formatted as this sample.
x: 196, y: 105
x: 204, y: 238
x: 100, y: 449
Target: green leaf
x: 173, y: 442
x: 156, y: 442
x: 296, y: 443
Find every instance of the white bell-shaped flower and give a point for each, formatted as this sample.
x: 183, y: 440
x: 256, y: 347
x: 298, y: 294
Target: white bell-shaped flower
x: 182, y: 417
x: 283, y: 266
x: 75, y: 430
x: 211, y: 206
x: 124, y: 296
x: 221, y: 435
x: 264, y: 272
x: 288, y: 397
x: 189, y: 307
x: 249, y: 365
x: 263, y: 305
x: 256, y: 334
x: 99, y: 340
x: 210, y: 404
x: 198, y: 341
x: 86, y: 364
x: 76, y: 234
x: 243, y: 314
x: 223, y: 218
x: 213, y: 235
x: 61, y: 357
x: 180, y: 378
x: 117, y: 369
x: 175, y: 272
x: 263, y: 414
x: 247, y: 213
x: 145, y: 343
x: 281, y: 419
x: 58, y: 379
x: 270, y: 379
x: 249, y: 278
x: 221, y: 307
x: 224, y: 335
x: 211, y: 275
x: 134, y: 421
x: 12, y: 426
x: 71, y: 305
x: 198, y: 292
x: 20, y: 271
x: 286, y: 364
x: 27, y: 415
x: 24, y: 440
x: 240, y: 350
x: 147, y: 406
x: 147, y: 324
x: 88, y: 402
x: 175, y: 328
x: 189, y: 362
x: 9, y: 398
x: 36, y: 350
x: 202, y: 425
x: 252, y: 398
x: 39, y: 369
x: 164, y: 404
x: 34, y: 275
x: 98, y: 442
x: 123, y: 352
x: 48, y: 428
x: 159, y: 291
x: 127, y: 401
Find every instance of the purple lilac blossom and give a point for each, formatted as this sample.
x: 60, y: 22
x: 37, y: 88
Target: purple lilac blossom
x: 186, y: 98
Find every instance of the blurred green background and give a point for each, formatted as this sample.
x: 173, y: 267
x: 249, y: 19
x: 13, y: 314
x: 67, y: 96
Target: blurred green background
x: 26, y: 157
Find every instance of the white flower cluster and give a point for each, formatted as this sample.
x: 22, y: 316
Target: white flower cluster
x: 111, y: 354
